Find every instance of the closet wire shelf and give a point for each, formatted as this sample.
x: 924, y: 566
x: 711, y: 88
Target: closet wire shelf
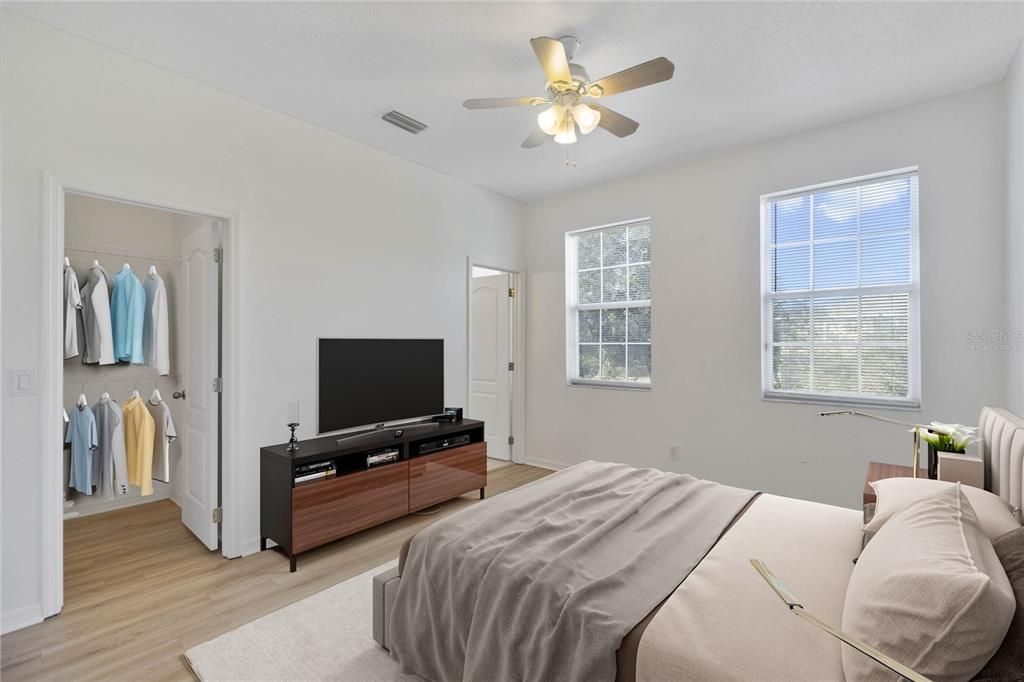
x: 140, y: 379
x: 104, y: 250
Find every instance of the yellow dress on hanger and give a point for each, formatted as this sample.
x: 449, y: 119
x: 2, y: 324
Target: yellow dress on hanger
x: 139, y: 431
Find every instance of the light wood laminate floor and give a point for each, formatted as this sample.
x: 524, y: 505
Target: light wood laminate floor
x: 139, y: 589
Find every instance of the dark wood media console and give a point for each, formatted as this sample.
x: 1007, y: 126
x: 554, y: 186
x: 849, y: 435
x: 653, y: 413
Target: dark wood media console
x: 301, y: 516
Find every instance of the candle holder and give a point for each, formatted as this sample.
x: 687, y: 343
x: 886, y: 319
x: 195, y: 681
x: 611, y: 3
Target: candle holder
x: 293, y: 442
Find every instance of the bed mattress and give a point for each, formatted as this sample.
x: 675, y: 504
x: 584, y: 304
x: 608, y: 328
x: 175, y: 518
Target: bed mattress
x: 725, y: 623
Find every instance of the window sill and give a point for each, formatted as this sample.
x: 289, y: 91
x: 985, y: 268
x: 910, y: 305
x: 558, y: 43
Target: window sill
x: 908, y: 405
x: 614, y: 385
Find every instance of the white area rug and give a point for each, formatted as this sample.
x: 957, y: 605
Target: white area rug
x: 326, y: 636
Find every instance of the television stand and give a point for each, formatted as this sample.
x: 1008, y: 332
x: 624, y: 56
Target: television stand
x: 433, y: 465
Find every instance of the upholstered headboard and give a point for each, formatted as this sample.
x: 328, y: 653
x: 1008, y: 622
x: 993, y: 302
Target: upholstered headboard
x: 1002, y: 444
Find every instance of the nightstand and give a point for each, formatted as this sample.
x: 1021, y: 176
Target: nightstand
x: 877, y: 471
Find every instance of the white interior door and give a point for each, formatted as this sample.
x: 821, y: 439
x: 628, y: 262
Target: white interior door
x: 198, y: 478
x: 489, y: 338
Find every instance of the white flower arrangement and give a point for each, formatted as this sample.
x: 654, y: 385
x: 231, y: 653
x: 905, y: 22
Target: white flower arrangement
x: 947, y: 437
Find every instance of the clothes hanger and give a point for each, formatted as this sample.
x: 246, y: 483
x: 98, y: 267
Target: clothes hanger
x: 106, y: 395
x: 135, y: 394
x: 67, y: 262
x: 82, y: 400
x: 126, y: 267
x: 152, y: 270
x: 155, y: 397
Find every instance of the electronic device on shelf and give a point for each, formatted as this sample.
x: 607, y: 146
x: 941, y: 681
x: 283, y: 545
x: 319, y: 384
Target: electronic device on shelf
x: 383, y: 456
x: 450, y: 414
x: 442, y: 444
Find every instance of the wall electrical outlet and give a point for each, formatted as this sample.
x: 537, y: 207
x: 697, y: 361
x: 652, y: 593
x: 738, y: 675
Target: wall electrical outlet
x: 673, y: 452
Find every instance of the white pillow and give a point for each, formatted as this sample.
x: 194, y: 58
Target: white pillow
x: 929, y: 591
x: 994, y: 514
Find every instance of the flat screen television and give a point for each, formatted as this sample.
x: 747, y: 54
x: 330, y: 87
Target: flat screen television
x: 362, y: 382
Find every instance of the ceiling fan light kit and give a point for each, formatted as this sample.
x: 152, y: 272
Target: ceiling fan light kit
x: 568, y: 85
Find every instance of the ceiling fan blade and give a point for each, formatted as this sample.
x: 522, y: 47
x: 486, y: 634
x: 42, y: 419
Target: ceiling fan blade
x: 496, y: 102
x: 551, y: 55
x: 614, y: 122
x: 639, y: 76
x: 535, y: 139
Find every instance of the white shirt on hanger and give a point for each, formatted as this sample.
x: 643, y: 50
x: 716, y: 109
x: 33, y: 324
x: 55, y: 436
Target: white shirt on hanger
x: 72, y: 304
x: 155, y: 328
x: 99, y: 335
x: 163, y: 437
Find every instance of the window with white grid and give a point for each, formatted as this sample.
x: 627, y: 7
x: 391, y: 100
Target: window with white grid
x: 840, y: 292
x: 608, y: 322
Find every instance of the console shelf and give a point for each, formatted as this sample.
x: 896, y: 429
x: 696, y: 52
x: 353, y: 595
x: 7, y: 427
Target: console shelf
x: 302, y: 516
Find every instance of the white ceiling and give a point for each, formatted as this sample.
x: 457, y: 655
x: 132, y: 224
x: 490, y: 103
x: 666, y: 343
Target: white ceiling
x: 744, y: 71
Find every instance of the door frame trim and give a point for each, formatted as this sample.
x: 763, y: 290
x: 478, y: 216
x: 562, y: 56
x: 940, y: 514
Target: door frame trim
x: 517, y: 385
x: 55, y: 187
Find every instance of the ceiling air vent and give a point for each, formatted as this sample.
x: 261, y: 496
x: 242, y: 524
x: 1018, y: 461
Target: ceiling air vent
x: 410, y: 125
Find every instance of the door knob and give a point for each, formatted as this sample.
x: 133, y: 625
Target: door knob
x: 178, y: 395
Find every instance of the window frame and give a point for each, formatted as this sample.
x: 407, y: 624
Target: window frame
x: 913, y: 289
x: 572, y: 307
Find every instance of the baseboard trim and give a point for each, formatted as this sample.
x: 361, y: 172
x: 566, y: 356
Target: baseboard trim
x: 77, y: 512
x: 16, y: 619
x: 252, y: 546
x: 547, y: 463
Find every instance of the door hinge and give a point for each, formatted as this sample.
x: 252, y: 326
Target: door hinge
x: 511, y: 366
x: 511, y: 440
x: 218, y: 385
x: 218, y: 255
x: 218, y: 514
x: 512, y: 292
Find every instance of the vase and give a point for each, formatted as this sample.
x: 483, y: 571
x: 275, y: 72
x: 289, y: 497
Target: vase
x: 933, y: 461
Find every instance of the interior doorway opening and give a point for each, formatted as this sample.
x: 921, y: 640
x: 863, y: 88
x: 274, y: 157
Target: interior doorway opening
x: 492, y: 345
x: 141, y: 396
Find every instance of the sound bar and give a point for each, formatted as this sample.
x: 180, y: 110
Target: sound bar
x: 384, y: 436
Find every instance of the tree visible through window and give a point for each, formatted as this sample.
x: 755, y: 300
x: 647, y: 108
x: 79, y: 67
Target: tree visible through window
x: 840, y: 291
x: 608, y: 276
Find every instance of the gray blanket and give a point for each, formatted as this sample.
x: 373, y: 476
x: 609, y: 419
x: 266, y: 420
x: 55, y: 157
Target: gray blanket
x: 543, y: 582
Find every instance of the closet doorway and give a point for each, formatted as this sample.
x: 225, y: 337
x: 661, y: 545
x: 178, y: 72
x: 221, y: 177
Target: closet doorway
x: 493, y: 363
x: 118, y: 251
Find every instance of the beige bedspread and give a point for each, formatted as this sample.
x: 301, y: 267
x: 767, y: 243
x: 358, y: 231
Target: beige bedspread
x: 725, y: 623
x: 544, y: 582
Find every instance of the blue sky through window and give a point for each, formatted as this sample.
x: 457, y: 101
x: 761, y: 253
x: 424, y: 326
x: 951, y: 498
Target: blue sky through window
x: 845, y: 237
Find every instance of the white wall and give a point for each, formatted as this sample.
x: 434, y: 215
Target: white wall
x: 706, y: 314
x: 337, y: 239
x: 1014, y: 328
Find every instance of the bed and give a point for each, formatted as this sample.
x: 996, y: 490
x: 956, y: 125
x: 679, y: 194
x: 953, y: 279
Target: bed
x: 722, y: 611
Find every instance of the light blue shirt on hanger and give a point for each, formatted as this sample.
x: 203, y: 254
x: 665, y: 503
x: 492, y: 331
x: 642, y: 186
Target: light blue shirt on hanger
x: 84, y: 440
x: 127, y: 314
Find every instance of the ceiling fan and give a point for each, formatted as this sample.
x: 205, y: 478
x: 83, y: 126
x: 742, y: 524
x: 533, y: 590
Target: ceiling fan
x: 570, y: 92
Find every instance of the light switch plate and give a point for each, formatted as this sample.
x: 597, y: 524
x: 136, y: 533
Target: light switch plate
x: 23, y: 382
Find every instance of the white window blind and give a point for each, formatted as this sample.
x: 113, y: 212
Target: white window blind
x: 840, y: 292
x: 608, y: 321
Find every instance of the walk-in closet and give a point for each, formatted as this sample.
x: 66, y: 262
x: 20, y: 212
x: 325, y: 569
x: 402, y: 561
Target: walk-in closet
x: 141, y: 341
